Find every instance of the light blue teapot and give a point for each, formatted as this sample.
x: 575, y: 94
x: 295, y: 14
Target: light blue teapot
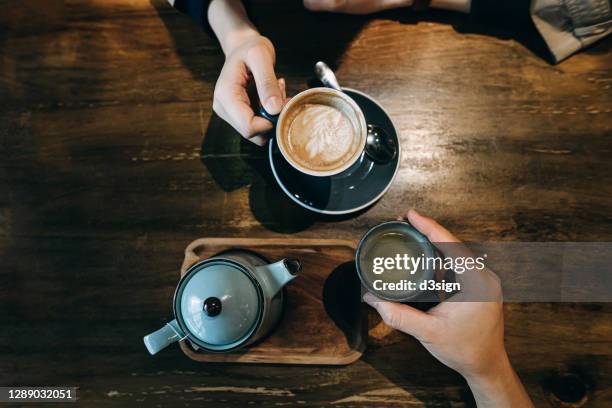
x: 226, y: 302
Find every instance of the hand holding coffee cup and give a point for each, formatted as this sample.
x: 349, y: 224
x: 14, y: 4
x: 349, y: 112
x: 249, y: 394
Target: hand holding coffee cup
x: 252, y: 56
x: 467, y: 336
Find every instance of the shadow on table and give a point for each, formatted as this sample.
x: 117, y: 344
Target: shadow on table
x: 409, y: 366
x: 402, y: 360
x: 234, y: 162
x: 398, y: 357
x: 341, y: 299
x: 522, y: 31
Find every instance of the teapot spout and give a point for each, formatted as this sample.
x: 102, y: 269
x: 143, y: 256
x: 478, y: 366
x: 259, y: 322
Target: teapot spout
x: 163, y: 337
x: 281, y: 273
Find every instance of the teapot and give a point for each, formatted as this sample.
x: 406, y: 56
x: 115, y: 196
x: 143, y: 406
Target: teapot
x: 226, y: 302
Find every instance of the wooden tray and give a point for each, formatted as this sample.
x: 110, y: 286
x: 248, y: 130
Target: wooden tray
x: 324, y: 321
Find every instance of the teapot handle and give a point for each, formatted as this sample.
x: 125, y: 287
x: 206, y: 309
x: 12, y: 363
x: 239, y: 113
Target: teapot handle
x: 162, y: 338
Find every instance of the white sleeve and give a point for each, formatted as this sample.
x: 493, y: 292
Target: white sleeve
x: 570, y: 25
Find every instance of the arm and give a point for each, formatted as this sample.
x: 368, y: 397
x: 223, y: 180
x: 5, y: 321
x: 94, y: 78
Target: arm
x: 566, y: 26
x: 501, y: 387
x: 247, y: 53
x: 373, y: 6
x: 229, y: 21
x: 466, y: 336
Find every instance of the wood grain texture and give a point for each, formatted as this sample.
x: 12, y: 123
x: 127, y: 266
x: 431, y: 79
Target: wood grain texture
x: 324, y: 321
x: 112, y: 161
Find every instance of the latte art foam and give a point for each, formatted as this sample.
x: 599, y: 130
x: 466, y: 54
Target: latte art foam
x: 321, y: 137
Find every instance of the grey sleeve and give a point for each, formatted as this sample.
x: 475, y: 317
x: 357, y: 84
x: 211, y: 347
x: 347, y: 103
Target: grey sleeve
x: 570, y: 25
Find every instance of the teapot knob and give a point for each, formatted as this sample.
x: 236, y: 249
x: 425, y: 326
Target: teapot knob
x: 212, y: 306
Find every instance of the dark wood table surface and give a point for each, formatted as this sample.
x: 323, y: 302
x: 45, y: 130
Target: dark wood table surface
x: 112, y: 162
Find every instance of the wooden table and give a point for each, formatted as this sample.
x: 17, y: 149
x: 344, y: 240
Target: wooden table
x: 112, y: 162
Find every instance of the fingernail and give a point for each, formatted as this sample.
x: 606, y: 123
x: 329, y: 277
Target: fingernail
x: 273, y: 104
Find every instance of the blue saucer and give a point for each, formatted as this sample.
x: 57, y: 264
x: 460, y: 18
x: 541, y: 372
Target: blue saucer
x: 354, y: 189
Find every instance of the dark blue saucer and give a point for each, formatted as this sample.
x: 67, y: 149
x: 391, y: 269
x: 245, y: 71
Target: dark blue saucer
x: 354, y: 189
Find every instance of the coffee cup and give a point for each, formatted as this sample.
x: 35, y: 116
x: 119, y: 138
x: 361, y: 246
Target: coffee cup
x: 320, y: 131
x: 391, y: 261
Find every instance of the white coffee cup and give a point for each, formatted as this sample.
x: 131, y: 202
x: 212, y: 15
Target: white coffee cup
x: 320, y: 131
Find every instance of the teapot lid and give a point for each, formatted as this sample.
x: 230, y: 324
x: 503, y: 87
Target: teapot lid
x: 218, y: 303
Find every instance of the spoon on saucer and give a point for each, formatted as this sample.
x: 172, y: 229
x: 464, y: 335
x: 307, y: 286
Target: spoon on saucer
x: 379, y: 146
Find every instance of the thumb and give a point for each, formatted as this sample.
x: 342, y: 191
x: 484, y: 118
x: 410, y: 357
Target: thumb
x: 261, y: 64
x: 402, y: 317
